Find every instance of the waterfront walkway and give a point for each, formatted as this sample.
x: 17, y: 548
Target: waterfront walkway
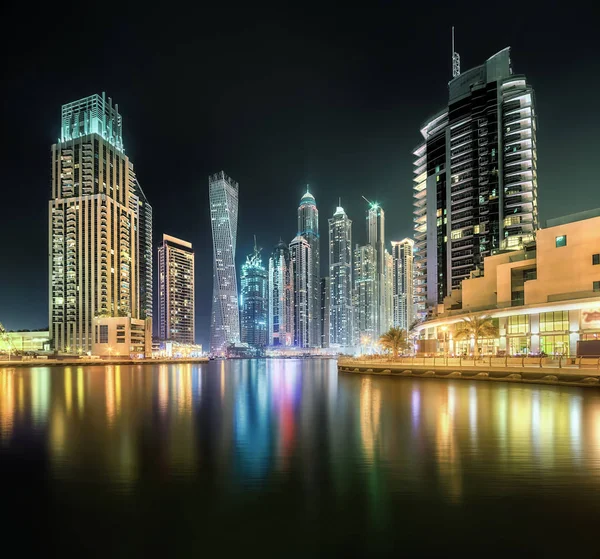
x: 560, y: 371
x: 77, y: 362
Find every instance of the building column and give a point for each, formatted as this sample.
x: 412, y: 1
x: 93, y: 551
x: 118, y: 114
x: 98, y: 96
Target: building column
x: 574, y: 330
x: 534, y: 346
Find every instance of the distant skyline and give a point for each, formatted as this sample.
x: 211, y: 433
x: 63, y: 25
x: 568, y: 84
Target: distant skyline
x: 333, y: 98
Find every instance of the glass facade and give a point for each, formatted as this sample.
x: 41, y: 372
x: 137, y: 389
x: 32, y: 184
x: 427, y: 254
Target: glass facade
x: 554, y: 321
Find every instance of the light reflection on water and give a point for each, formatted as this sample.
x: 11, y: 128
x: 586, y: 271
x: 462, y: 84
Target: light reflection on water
x: 271, y: 427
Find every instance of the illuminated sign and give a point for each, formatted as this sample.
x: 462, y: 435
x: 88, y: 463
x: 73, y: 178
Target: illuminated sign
x: 590, y: 318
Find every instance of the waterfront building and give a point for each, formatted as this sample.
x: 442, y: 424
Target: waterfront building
x: 98, y: 267
x: 308, y: 228
x: 403, y: 288
x: 475, y: 178
x: 25, y: 341
x: 281, y: 297
x: 254, y: 301
x: 225, y: 320
x: 325, y: 311
x: 544, y: 298
x: 176, y: 288
x: 366, y: 295
x: 301, y: 262
x: 376, y: 238
x: 341, y: 284
x: 122, y: 337
x: 388, y: 303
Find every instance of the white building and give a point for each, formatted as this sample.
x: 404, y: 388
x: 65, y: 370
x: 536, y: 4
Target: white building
x: 403, y: 277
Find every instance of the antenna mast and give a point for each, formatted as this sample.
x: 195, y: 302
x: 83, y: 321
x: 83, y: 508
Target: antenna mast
x: 455, y: 59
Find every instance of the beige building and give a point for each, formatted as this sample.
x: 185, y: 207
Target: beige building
x: 544, y: 298
x: 122, y: 337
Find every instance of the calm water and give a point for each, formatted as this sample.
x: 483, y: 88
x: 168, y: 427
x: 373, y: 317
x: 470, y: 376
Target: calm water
x: 288, y: 458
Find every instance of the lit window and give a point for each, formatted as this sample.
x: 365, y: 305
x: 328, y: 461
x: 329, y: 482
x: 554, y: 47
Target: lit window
x: 561, y: 241
x: 595, y: 259
x: 597, y: 286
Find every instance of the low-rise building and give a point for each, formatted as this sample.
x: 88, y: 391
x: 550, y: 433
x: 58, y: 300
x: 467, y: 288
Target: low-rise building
x: 122, y: 337
x: 26, y: 342
x: 543, y: 299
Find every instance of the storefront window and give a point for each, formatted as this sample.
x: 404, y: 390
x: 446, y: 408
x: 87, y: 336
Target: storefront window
x: 557, y: 321
x: 518, y: 346
x: 555, y: 345
x: 518, y: 324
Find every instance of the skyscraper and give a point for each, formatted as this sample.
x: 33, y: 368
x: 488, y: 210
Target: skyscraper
x: 145, y: 252
x: 340, y: 273
x: 388, y: 309
x: 376, y: 238
x: 301, y: 267
x: 404, y: 313
x: 94, y: 222
x: 254, y: 301
x: 281, y: 297
x: 176, y: 285
x: 325, y: 287
x: 225, y: 320
x: 475, y: 188
x: 366, y: 295
x: 308, y: 228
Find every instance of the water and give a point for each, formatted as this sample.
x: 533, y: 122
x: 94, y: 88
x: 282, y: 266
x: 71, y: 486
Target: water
x: 288, y: 458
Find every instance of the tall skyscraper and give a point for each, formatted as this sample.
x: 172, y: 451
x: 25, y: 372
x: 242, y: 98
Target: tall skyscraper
x: 404, y: 313
x: 225, y: 320
x: 281, y: 297
x: 325, y: 311
x: 94, y: 220
x: 376, y: 238
x: 475, y: 184
x: 308, y: 227
x: 176, y: 285
x: 301, y: 266
x: 340, y: 273
x: 254, y: 301
x: 388, y: 308
x: 366, y: 295
x: 145, y: 252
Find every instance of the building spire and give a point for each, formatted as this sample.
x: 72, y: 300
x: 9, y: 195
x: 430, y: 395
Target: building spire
x: 455, y: 59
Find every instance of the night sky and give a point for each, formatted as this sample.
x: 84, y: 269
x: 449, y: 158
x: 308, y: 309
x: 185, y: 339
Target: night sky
x: 323, y: 94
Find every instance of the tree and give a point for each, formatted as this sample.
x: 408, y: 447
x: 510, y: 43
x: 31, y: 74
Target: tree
x: 394, y: 340
x: 476, y: 327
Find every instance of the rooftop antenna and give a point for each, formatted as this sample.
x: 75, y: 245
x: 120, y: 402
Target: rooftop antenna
x: 367, y: 201
x: 340, y: 201
x: 455, y: 59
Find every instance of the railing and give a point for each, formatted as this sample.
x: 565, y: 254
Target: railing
x: 552, y: 362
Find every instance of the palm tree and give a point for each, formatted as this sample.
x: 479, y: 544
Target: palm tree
x: 476, y: 327
x: 394, y: 340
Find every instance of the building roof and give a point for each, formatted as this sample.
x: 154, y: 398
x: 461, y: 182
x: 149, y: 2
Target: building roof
x: 308, y: 197
x: 571, y: 218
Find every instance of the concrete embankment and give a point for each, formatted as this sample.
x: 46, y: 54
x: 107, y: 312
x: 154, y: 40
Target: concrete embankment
x: 99, y: 362
x: 559, y: 377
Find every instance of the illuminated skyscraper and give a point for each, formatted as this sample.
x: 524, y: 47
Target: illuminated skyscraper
x: 325, y: 311
x: 145, y: 252
x: 340, y: 273
x: 301, y: 261
x: 254, y: 301
x: 176, y: 315
x: 95, y: 217
x: 376, y: 238
x: 404, y: 310
x: 475, y: 178
x: 308, y: 227
x: 366, y: 295
x: 388, y: 303
x: 281, y: 297
x: 225, y: 320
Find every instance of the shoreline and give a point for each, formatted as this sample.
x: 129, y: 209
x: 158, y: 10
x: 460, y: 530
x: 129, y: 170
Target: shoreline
x: 552, y: 377
x: 90, y: 362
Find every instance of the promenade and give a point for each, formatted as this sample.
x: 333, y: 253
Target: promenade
x: 83, y: 362
x: 558, y: 371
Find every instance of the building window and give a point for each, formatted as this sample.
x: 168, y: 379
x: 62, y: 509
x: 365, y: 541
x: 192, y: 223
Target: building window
x: 518, y: 324
x: 555, y: 345
x: 595, y: 259
x: 103, y: 333
x: 597, y: 286
x: 561, y: 241
x: 557, y: 321
x: 518, y: 345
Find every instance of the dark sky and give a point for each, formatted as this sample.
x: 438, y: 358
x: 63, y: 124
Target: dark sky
x: 327, y: 94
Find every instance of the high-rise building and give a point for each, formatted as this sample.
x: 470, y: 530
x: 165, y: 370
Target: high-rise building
x: 308, y: 228
x: 341, y: 285
x: 176, y: 315
x: 94, y: 224
x: 225, y: 320
x: 281, y: 297
x: 475, y: 184
x: 388, y: 303
x: 376, y: 238
x: 366, y: 295
x: 254, y: 301
x: 404, y: 313
x: 301, y: 267
x: 145, y: 252
x: 325, y: 311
